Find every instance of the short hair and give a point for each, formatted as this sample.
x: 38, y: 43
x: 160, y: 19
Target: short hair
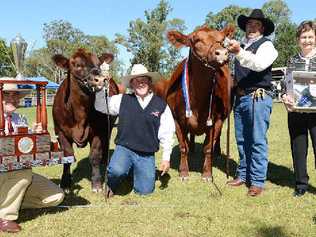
x: 305, y: 26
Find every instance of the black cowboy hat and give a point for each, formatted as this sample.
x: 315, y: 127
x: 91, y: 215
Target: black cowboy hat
x: 256, y: 14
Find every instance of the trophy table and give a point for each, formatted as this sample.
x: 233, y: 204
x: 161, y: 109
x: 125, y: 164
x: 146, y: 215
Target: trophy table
x: 24, y: 148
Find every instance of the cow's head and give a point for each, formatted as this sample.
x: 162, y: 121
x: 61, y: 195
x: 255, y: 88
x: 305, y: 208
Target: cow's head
x: 84, y: 67
x: 205, y: 43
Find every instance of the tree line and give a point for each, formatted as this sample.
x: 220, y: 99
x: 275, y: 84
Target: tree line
x: 145, y: 40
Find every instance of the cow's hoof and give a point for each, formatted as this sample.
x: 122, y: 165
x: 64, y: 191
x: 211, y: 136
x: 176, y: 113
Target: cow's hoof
x: 207, y: 179
x: 97, y: 187
x: 184, y: 178
x: 67, y: 191
x: 65, y: 188
x: 97, y: 190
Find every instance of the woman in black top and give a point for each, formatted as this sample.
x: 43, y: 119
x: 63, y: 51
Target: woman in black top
x: 300, y: 123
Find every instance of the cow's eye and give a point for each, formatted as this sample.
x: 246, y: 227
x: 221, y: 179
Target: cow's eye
x: 78, y: 66
x: 95, y: 71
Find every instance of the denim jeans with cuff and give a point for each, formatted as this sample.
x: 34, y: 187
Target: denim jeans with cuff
x: 252, y: 118
x: 142, y: 165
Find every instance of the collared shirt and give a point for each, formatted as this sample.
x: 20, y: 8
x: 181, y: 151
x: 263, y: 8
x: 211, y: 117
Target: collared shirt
x: 307, y: 59
x: 16, y: 121
x: 264, y: 57
x: 166, y: 128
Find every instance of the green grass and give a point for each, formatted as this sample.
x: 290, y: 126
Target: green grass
x: 191, y: 208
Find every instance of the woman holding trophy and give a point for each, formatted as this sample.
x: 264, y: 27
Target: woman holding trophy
x: 301, y: 120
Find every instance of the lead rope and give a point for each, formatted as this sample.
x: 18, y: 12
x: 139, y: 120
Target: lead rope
x: 229, y: 105
x: 107, y: 93
x: 209, y: 121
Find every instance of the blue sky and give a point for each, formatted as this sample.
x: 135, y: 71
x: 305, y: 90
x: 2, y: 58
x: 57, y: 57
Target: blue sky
x: 96, y: 17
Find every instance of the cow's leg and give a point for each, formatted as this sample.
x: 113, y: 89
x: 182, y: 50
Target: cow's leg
x: 211, y: 139
x: 80, y: 134
x: 192, y: 143
x: 97, y: 150
x: 184, y: 150
x: 66, y: 146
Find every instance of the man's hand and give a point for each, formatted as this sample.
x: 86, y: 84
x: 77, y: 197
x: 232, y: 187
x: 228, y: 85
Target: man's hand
x: 288, y: 102
x: 164, y: 166
x: 233, y: 46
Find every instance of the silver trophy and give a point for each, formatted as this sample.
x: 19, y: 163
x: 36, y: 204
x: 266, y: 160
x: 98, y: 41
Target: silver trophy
x: 18, y: 46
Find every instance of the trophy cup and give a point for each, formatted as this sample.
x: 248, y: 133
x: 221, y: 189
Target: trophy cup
x: 19, y: 45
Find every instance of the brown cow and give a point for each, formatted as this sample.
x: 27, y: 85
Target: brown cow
x: 208, y: 78
x: 75, y: 119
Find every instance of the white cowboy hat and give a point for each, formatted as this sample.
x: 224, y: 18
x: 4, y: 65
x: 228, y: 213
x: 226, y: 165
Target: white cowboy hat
x: 139, y: 70
x: 14, y: 87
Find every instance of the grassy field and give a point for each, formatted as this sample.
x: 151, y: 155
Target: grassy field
x: 191, y: 208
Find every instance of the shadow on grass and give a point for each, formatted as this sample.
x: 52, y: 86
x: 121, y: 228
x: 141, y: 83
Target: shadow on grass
x: 83, y: 171
x: 196, y: 160
x: 69, y: 200
x: 283, y: 176
x: 30, y: 214
x: 276, y: 231
x: 277, y: 174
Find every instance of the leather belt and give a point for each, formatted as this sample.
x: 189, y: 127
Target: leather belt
x: 242, y: 92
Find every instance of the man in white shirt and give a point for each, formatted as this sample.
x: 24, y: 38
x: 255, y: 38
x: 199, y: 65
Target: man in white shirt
x: 21, y: 188
x: 253, y: 105
x: 145, y: 122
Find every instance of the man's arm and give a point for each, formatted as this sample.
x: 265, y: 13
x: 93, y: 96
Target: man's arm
x: 114, y: 103
x: 264, y: 57
x: 165, y: 136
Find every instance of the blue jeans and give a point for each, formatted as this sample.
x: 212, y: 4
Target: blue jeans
x: 143, y: 166
x: 252, y: 118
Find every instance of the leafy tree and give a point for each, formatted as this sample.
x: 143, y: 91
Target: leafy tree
x: 147, y: 42
x: 285, y: 43
x: 227, y: 16
x: 62, y: 38
x: 284, y: 35
x: 6, y: 60
x: 277, y: 11
x: 39, y: 63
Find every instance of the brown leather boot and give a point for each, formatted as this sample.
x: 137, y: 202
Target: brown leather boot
x: 9, y: 226
x: 254, y: 191
x: 235, y: 182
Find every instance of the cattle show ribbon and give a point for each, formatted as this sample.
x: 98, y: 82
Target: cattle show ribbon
x: 185, y: 89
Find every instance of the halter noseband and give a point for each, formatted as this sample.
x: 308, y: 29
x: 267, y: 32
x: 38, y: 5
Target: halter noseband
x: 83, y: 82
x: 204, y: 59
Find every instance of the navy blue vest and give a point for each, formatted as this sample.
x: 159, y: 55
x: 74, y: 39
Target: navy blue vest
x: 138, y: 127
x: 247, y: 78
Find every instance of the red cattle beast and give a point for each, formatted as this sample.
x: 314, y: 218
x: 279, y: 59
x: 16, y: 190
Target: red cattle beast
x: 75, y: 119
x: 198, y: 92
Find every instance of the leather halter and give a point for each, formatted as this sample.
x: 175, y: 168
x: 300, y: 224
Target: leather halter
x: 204, y: 59
x: 83, y: 82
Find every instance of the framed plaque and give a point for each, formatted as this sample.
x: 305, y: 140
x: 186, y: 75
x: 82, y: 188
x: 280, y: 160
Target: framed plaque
x: 303, y: 90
